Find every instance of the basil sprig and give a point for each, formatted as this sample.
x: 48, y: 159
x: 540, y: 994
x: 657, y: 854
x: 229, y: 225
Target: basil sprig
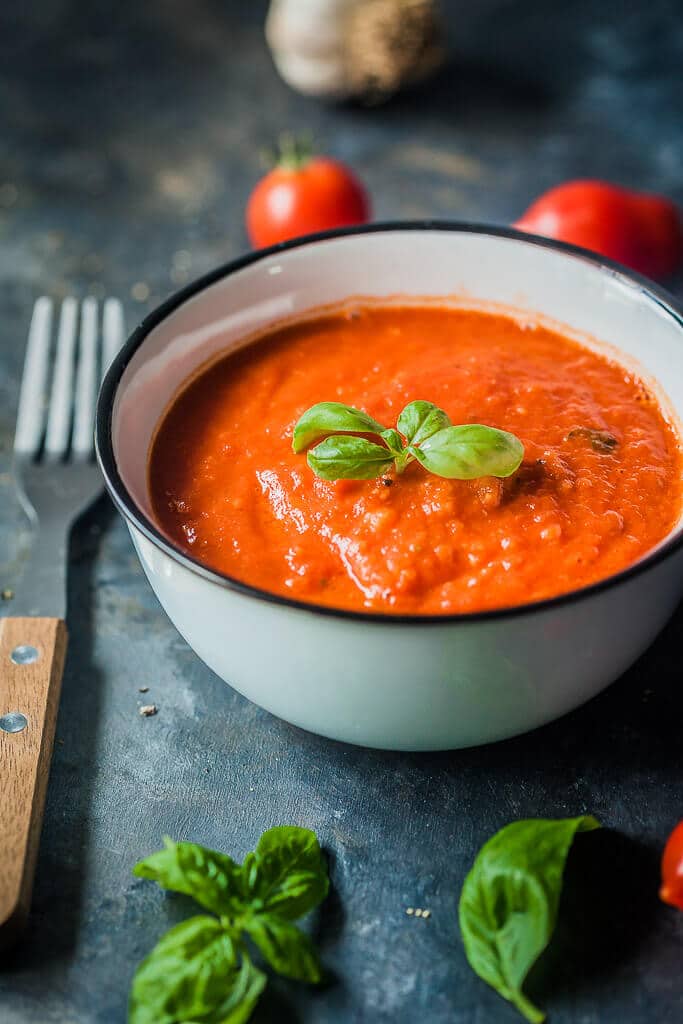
x: 456, y: 452
x: 509, y: 902
x: 202, y: 970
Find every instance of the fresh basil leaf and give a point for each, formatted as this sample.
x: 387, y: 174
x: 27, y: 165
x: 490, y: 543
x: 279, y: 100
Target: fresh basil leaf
x: 331, y: 418
x: 394, y: 440
x: 470, y: 451
x: 419, y: 420
x: 187, y: 976
x: 238, y: 1007
x: 213, y: 879
x: 349, y: 458
x: 287, y: 949
x: 508, y: 905
x: 286, y: 873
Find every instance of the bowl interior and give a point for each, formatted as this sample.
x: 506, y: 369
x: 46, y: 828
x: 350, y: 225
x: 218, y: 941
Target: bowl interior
x: 594, y: 303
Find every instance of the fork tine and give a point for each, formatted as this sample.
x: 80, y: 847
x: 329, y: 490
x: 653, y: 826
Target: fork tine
x: 61, y: 397
x: 82, y: 442
x: 112, y: 332
x: 32, y: 404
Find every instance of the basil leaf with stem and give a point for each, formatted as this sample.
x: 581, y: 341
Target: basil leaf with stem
x: 509, y: 902
x: 470, y: 451
x: 331, y: 418
x: 200, y: 971
x: 463, y: 452
x: 419, y: 420
x: 349, y: 458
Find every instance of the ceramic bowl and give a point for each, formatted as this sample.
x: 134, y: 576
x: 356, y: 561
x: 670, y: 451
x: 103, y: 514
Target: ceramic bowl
x: 409, y: 683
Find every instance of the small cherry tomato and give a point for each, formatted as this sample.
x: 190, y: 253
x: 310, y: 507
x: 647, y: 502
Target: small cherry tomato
x: 672, y: 869
x: 640, y: 230
x: 301, y: 195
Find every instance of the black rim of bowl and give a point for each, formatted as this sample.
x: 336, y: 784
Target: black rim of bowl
x: 129, y: 509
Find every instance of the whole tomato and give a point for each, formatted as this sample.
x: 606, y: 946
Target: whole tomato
x: 672, y: 869
x: 640, y: 230
x: 304, y: 194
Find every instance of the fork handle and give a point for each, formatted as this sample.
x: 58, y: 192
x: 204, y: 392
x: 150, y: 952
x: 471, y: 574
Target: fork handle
x: 32, y: 654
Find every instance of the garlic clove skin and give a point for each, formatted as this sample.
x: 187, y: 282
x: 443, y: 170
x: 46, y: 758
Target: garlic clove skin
x: 307, y: 39
x: 369, y: 49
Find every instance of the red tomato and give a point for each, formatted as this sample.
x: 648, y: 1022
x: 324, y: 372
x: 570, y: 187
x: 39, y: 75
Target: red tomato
x: 301, y: 195
x: 672, y: 869
x: 641, y: 231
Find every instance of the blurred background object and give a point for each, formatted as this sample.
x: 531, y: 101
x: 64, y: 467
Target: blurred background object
x: 366, y: 49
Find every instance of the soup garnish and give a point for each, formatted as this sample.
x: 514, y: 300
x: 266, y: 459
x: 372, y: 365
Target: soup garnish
x: 465, y: 452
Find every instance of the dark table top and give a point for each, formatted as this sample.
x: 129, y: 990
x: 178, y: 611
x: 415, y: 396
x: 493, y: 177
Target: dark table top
x: 130, y: 138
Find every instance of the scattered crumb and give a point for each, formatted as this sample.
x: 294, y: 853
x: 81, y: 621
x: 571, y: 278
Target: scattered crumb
x: 148, y: 709
x: 418, y: 912
x: 410, y: 911
x: 143, y: 689
x: 7, y: 594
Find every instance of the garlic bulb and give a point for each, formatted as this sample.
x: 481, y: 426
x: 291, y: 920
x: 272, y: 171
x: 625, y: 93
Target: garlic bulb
x: 337, y: 49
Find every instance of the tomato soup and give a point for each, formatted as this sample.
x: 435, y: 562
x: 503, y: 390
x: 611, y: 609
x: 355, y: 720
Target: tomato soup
x: 600, y: 483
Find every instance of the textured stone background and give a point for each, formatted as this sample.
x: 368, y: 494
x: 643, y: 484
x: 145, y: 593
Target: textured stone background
x: 129, y: 140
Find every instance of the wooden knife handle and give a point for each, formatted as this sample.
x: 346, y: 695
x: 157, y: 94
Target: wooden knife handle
x: 31, y: 665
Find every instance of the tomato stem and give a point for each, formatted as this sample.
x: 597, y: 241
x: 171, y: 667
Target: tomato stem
x: 293, y: 152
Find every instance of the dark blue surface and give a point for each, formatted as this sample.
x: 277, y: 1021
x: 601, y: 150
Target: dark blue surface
x: 130, y: 138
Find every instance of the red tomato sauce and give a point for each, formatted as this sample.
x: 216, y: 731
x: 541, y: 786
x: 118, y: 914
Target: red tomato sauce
x: 227, y: 488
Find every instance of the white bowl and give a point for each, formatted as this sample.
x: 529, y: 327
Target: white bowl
x: 397, y: 682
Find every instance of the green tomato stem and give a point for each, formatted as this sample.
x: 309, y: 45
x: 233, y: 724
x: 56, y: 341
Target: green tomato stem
x: 293, y: 152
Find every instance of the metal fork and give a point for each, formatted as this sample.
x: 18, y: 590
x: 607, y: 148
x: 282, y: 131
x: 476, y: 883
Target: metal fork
x: 56, y: 480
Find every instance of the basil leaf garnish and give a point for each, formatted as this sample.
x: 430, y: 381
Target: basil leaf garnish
x: 419, y: 420
x: 200, y: 970
x: 470, y: 451
x: 288, y: 951
x: 349, y: 458
x: 331, y: 418
x: 508, y: 905
x: 456, y: 452
x: 393, y: 440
